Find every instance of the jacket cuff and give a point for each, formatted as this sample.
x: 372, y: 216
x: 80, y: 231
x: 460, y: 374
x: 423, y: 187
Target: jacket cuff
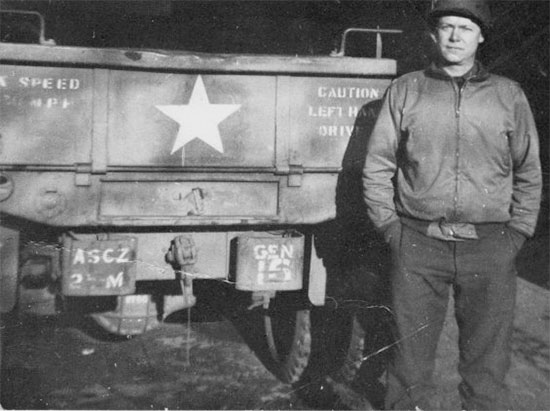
x: 386, y: 227
x: 390, y: 230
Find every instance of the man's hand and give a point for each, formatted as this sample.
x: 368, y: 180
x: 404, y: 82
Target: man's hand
x: 392, y: 232
x: 518, y: 238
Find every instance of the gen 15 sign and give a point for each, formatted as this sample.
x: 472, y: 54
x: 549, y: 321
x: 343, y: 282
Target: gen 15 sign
x: 100, y: 268
x: 269, y: 263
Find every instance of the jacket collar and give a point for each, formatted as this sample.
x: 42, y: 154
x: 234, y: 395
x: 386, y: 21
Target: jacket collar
x: 477, y: 73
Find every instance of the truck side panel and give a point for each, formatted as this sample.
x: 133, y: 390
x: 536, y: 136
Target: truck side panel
x: 111, y: 147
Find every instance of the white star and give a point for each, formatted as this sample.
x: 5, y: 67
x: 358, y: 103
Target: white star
x: 199, y: 118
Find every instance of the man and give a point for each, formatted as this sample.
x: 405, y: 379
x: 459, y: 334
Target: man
x: 452, y: 180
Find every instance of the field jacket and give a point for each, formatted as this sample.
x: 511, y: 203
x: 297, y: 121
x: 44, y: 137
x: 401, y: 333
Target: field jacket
x: 462, y: 154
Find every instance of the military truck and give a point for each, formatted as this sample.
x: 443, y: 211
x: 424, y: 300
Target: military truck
x: 135, y: 183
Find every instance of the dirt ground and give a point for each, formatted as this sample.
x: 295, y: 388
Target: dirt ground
x: 48, y: 365
x: 53, y: 364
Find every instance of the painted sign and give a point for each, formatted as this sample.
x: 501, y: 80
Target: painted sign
x: 199, y: 119
x: 45, y: 115
x: 325, y: 114
x: 269, y: 263
x: 100, y: 268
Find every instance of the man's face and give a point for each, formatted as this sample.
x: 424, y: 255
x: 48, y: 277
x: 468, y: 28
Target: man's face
x: 457, y: 40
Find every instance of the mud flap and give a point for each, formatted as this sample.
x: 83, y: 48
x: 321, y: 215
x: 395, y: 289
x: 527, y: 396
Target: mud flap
x: 9, y: 261
x: 317, y: 281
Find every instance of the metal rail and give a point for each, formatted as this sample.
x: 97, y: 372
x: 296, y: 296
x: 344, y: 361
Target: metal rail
x: 378, y: 31
x: 42, y: 25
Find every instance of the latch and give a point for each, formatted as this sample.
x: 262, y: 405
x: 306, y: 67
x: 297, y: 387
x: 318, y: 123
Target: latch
x: 83, y: 172
x: 182, y: 256
x: 193, y: 202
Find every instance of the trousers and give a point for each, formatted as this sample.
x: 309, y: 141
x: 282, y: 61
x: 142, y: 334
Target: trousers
x: 481, y: 273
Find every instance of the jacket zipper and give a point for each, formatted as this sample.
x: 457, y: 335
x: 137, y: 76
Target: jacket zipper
x: 458, y: 94
x: 459, y: 97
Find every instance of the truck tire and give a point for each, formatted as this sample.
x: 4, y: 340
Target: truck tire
x: 347, y: 363
x: 280, y: 338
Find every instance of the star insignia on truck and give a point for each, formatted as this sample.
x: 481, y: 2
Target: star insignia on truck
x: 199, y: 119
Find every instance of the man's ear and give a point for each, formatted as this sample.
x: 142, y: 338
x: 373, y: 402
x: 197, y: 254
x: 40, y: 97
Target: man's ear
x: 433, y: 37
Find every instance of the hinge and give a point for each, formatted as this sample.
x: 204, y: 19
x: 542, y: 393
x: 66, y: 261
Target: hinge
x: 295, y: 173
x: 83, y: 172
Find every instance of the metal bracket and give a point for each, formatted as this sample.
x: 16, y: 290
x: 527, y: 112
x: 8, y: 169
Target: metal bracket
x: 378, y: 31
x: 83, y: 171
x: 182, y: 254
x: 261, y: 298
x: 295, y: 175
x: 40, y: 32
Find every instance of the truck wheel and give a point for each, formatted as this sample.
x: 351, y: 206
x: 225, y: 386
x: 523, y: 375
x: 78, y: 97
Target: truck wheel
x: 345, y: 369
x: 281, y: 339
x: 280, y: 336
x: 288, y: 340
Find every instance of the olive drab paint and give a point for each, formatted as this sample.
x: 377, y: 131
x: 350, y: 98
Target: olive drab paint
x: 119, y: 155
